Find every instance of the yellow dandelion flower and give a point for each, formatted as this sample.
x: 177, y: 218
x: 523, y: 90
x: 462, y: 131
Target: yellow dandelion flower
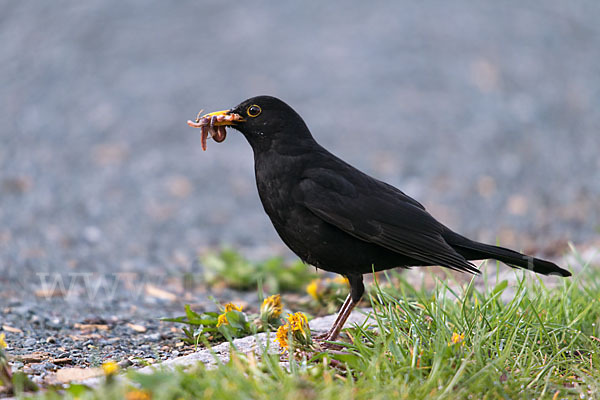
x: 232, y: 307
x: 298, y: 321
x: 300, y: 329
x: 110, y: 368
x: 297, y: 329
x: 3, y: 344
x: 313, y: 289
x: 137, y: 395
x: 271, y: 307
x: 456, y: 338
x: 282, y: 336
x: 222, y: 320
x: 342, y: 280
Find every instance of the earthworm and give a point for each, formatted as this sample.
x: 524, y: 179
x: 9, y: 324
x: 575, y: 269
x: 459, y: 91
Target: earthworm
x: 207, y: 127
x: 203, y: 136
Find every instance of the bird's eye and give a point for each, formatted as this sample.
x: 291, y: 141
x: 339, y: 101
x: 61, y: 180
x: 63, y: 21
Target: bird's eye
x: 253, y: 111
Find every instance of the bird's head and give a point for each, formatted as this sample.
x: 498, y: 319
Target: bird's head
x: 263, y: 120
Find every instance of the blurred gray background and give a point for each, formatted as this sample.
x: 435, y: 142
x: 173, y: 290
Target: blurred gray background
x: 485, y: 112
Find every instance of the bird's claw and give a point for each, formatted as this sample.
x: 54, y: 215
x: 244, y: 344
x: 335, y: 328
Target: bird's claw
x: 326, y: 341
x: 323, y: 336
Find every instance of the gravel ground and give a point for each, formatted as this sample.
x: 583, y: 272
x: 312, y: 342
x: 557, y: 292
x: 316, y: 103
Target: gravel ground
x: 485, y: 112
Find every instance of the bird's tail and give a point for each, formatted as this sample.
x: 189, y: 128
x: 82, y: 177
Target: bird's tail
x: 472, y: 250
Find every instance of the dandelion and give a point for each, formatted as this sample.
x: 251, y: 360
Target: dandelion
x: 232, y: 307
x: 313, y: 289
x: 110, y: 368
x: 137, y: 395
x: 297, y: 324
x: 222, y: 319
x: 327, y: 290
x: 456, y: 338
x: 271, y: 308
x: 298, y: 321
x: 340, y: 279
x: 3, y: 344
x: 282, y: 336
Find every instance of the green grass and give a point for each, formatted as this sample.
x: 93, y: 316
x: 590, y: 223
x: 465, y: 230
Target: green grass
x: 541, y: 342
x: 231, y: 269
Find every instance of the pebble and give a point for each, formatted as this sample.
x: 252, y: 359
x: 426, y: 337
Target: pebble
x: 50, y: 366
x: 124, y: 363
x: 153, y: 337
x: 29, y: 342
x: 37, y: 367
x: 55, y: 323
x: 16, y: 365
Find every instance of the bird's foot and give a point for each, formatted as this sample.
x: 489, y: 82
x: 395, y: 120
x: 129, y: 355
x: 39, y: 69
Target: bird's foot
x: 326, y: 341
x: 327, y: 346
x: 322, y: 336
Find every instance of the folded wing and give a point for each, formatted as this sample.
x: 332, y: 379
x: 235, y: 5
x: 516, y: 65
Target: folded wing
x: 378, y: 213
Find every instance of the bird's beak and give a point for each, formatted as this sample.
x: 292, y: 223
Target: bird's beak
x: 217, y: 118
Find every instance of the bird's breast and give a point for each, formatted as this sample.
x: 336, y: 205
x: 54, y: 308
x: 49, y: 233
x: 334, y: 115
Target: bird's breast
x: 277, y: 178
x: 275, y: 182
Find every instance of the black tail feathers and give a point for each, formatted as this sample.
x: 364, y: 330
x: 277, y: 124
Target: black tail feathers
x: 472, y: 250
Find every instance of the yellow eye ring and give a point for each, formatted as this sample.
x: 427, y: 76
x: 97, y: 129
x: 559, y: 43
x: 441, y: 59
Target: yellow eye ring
x: 253, y: 111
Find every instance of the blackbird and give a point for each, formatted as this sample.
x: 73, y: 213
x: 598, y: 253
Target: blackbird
x: 339, y: 219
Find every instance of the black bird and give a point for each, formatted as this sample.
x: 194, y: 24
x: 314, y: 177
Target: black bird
x: 339, y: 219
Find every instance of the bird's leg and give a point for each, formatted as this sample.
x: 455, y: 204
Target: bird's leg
x: 341, y: 313
x: 337, y: 326
x: 356, y: 291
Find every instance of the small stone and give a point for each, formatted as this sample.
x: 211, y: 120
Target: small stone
x: 54, y: 323
x: 29, y: 342
x: 37, y: 368
x: 50, y: 339
x: 153, y: 337
x: 49, y: 366
x: 137, y: 328
x: 124, y: 363
x: 11, y: 329
x: 61, y: 361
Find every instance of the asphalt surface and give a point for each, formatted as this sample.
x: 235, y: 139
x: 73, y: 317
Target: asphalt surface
x: 485, y: 112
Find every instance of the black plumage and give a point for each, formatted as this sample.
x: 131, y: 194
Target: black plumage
x: 339, y: 219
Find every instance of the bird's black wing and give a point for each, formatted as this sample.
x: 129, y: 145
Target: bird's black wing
x: 378, y: 213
